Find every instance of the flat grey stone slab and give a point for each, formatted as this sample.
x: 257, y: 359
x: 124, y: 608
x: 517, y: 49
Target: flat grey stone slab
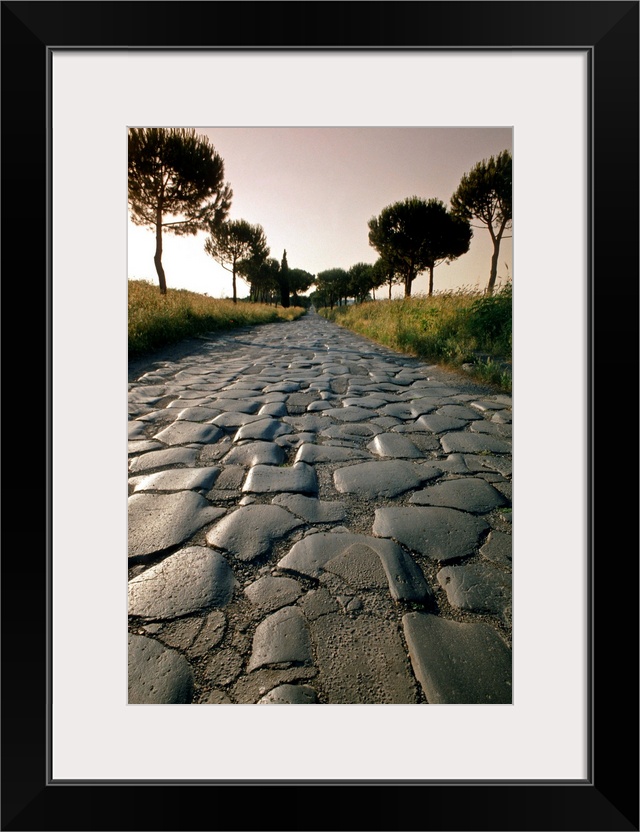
x: 491, y: 429
x: 360, y: 566
x: 141, y: 446
x: 197, y: 414
x: 282, y: 638
x: 180, y: 479
x: 184, y: 433
x: 351, y: 431
x: 405, y: 410
x: 442, y: 534
x: 249, y: 532
x: 157, y: 675
x: 438, y: 424
x: 267, y: 479
x: 192, y: 579
x: 238, y: 406
x: 270, y: 593
x: 458, y: 411
x: 394, y: 445
x: 370, y: 402
x: 467, y: 494
x: 362, y: 661
x: 316, y: 407
x: 498, y: 548
x: 159, y: 459
x: 477, y: 587
x: 290, y: 695
x: 458, y: 664
x: 310, y: 555
x: 466, y: 442
x: 328, y: 453
x: 235, y: 419
x: 311, y: 509
x: 255, y: 453
x: 372, y: 480
x: 348, y: 414
x: 158, y: 521
x: 487, y: 405
x: 309, y: 423
x: 264, y: 429
x: 273, y: 409
x: 136, y: 430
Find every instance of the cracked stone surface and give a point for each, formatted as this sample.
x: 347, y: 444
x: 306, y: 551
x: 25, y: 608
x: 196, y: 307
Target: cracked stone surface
x: 467, y: 494
x: 157, y: 675
x: 308, y: 513
x: 442, y: 534
x: 458, y: 663
x: 249, y: 532
x: 189, y: 580
x: 159, y: 521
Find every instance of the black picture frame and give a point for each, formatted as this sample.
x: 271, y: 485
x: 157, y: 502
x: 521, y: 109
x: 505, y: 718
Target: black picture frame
x: 608, y: 798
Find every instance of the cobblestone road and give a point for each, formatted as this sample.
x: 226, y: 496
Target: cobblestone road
x: 316, y: 519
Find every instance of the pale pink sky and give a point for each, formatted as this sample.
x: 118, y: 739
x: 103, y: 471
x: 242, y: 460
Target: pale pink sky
x: 313, y: 190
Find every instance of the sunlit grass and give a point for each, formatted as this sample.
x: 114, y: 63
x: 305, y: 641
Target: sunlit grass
x: 157, y: 320
x: 449, y: 327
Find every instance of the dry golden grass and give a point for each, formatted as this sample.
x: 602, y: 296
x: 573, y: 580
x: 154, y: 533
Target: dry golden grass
x: 157, y: 320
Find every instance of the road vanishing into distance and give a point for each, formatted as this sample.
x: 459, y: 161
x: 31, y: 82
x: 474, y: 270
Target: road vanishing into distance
x: 316, y: 519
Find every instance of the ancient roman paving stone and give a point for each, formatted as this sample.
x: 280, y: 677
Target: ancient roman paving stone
x: 466, y: 442
x: 442, y: 534
x: 290, y: 695
x: 192, y: 579
x: 282, y: 638
x: 348, y: 414
x: 310, y: 555
x: 458, y: 411
x: 265, y: 429
x: 160, y: 459
x: 141, y: 446
x: 311, y: 509
x: 273, y: 409
x: 350, y: 431
x: 235, y: 419
x: 159, y: 521
x: 180, y: 479
x: 491, y: 428
x: 136, y: 430
x: 249, y: 532
x: 498, y: 548
x: 371, y: 480
x: 255, y: 453
x: 312, y: 395
x: 477, y: 587
x: 328, y: 453
x: 467, y: 493
x: 157, y: 675
x: 197, y: 414
x: 267, y: 479
x: 359, y: 566
x: 184, y: 433
x: 362, y: 661
x: 269, y: 593
x: 438, y: 424
x: 394, y: 445
x: 458, y: 664
x: 485, y: 405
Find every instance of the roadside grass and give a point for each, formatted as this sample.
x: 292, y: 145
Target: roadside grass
x: 157, y: 320
x: 462, y: 329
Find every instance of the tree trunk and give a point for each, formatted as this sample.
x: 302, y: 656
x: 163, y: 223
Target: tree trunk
x: 407, y: 286
x: 233, y: 277
x: 430, y: 281
x: 157, y: 258
x: 494, y: 266
x: 389, y: 290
